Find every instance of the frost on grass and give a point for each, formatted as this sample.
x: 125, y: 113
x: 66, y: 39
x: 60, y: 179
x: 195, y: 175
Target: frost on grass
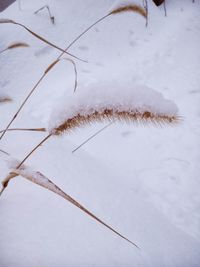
x: 37, y: 178
x: 110, y: 100
x: 30, y: 174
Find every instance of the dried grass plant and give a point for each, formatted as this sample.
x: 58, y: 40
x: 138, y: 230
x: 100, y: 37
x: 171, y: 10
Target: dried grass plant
x: 63, y: 52
x: 9, y: 21
x: 78, y: 120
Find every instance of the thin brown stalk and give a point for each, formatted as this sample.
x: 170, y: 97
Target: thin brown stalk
x: 33, y: 150
x: 111, y: 115
x: 86, y: 30
x: 26, y: 129
x: 49, y: 12
x: 4, y: 152
x: 133, y: 8
x: 74, y: 66
x: 40, y: 179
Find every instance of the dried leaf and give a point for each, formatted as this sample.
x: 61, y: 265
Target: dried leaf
x: 40, y: 179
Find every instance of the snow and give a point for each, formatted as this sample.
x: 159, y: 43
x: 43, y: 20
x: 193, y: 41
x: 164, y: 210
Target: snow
x: 110, y: 95
x: 144, y: 181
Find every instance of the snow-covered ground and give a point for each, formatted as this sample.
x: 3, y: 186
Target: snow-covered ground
x: 142, y: 180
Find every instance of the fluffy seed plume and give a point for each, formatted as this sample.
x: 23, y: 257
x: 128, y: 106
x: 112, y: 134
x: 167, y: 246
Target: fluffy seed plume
x: 130, y: 8
x: 113, y: 115
x: 111, y: 102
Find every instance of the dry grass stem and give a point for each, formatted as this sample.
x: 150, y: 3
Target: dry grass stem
x: 92, y: 136
x: 130, y: 8
x: 134, y: 8
x: 33, y: 150
x: 49, y: 12
x: 39, y: 37
x: 111, y: 115
x: 4, y: 152
x: 26, y: 129
x: 74, y: 66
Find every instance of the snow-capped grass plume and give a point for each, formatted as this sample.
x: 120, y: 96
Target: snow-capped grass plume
x: 110, y: 101
x: 128, y: 6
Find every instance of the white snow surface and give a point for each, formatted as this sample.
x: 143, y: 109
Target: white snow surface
x: 112, y: 95
x: 143, y: 181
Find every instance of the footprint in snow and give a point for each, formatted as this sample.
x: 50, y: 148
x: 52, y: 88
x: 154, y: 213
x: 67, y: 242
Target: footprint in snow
x: 83, y: 48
